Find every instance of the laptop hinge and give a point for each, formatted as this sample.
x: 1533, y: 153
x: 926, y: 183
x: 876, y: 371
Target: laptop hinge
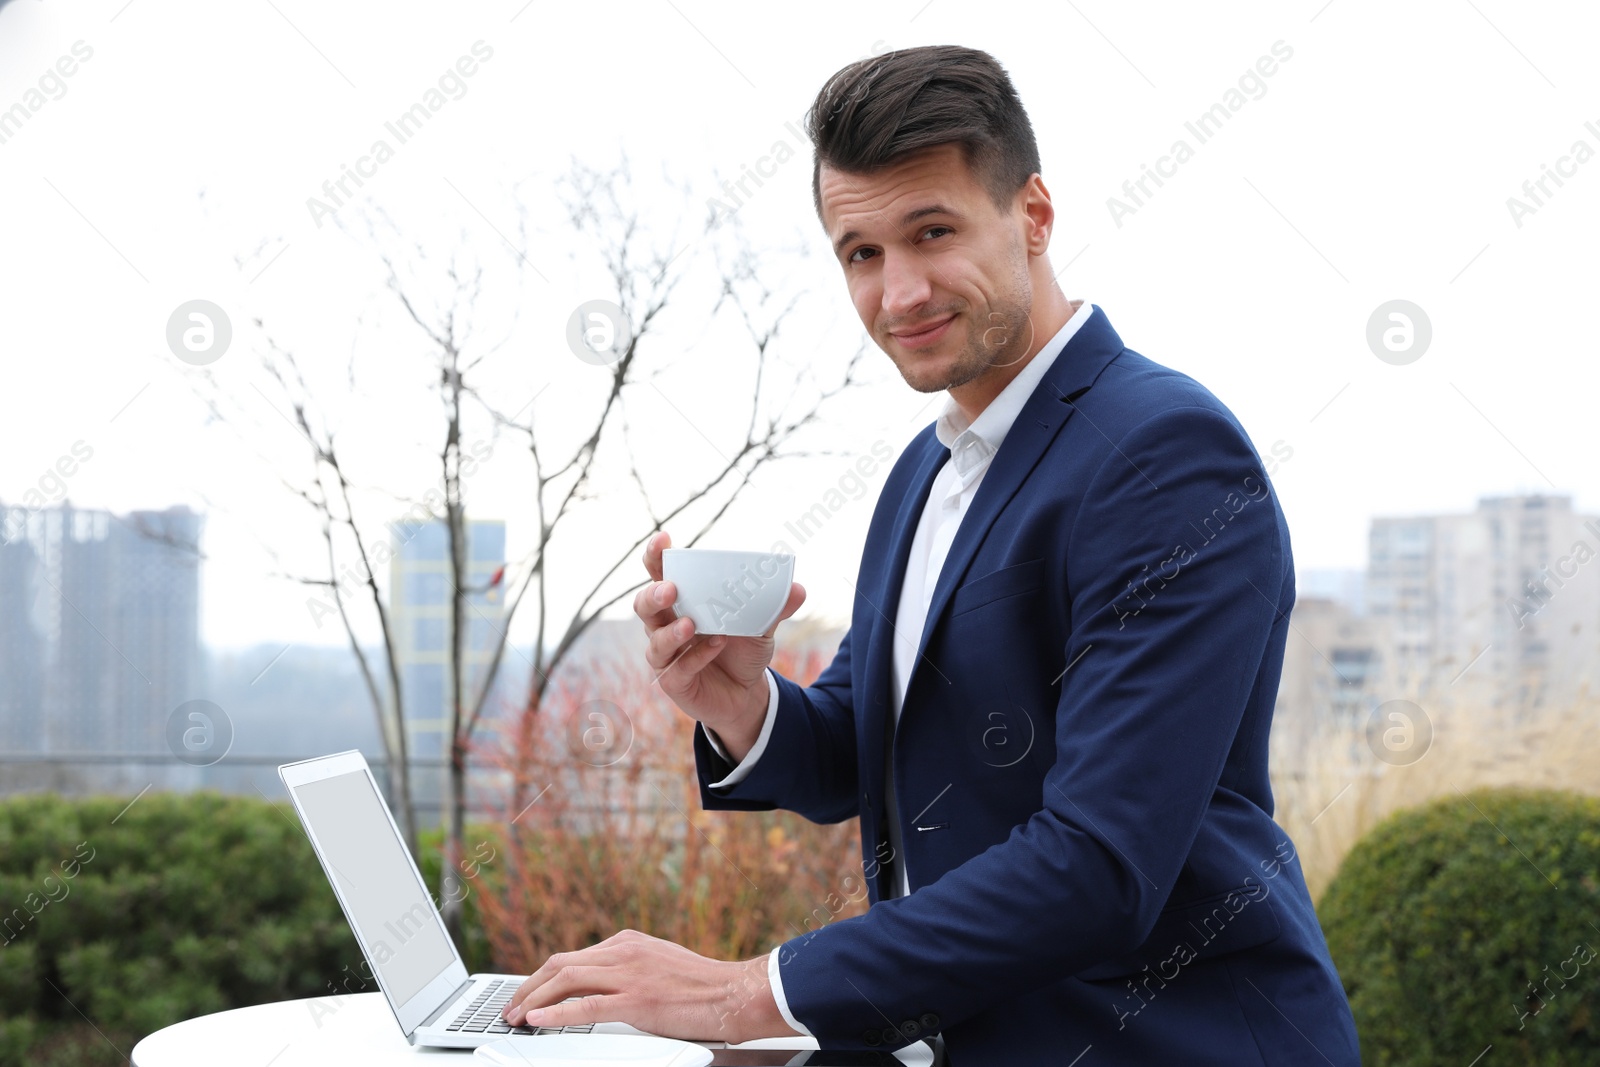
x: 451, y: 999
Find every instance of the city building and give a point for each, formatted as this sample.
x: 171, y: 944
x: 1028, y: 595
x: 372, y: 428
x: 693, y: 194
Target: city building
x: 99, y: 632
x: 1498, y: 609
x: 1347, y: 585
x: 420, y: 596
x: 1493, y: 612
x: 1331, y: 680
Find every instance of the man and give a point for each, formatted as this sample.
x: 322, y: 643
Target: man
x: 1051, y: 709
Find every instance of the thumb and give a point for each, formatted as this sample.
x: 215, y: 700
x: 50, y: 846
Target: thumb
x: 797, y: 596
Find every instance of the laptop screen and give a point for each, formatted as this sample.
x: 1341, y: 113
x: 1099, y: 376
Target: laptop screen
x: 392, y: 915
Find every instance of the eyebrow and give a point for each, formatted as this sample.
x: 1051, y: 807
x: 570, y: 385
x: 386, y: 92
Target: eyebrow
x: 906, y: 220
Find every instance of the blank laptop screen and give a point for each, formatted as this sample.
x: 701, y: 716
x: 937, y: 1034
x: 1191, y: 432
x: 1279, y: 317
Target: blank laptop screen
x: 393, y: 916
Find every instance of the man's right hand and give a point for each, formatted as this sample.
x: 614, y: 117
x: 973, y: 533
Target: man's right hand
x: 716, y: 679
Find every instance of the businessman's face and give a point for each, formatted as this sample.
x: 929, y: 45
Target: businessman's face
x: 938, y: 274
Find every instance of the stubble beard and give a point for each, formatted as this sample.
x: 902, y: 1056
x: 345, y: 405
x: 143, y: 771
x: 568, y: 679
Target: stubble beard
x: 1002, y: 341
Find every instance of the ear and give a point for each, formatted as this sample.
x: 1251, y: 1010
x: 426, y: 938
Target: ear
x: 1041, y: 215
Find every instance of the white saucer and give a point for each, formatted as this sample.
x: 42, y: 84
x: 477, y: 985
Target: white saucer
x: 592, y: 1050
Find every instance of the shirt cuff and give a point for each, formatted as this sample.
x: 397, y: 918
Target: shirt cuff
x: 738, y: 774
x: 776, y: 981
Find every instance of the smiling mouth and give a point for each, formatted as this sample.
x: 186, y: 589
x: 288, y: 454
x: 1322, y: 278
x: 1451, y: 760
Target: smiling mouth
x: 927, y: 335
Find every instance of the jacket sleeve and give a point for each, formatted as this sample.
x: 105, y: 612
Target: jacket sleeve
x: 809, y: 763
x: 1144, y: 722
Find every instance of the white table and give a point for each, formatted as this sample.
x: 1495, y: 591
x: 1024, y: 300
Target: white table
x: 326, y: 1031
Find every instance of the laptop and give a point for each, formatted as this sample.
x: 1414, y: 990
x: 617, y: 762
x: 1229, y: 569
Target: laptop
x: 392, y: 914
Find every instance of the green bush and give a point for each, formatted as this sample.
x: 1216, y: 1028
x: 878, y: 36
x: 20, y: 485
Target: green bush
x: 184, y: 904
x: 1474, y: 921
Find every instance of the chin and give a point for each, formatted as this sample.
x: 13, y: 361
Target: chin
x: 928, y: 385
x: 929, y: 380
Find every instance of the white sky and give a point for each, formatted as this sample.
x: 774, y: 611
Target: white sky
x: 1376, y: 166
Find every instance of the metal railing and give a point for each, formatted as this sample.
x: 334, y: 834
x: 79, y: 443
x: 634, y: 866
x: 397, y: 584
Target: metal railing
x: 242, y: 774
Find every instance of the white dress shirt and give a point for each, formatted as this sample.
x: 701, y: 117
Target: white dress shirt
x: 972, y: 445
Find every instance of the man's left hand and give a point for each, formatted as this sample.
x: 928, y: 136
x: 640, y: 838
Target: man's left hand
x: 655, y: 985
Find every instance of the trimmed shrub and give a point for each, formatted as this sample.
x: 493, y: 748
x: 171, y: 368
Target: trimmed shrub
x: 1473, y: 921
x: 180, y: 906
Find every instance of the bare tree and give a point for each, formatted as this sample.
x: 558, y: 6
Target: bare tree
x: 643, y: 290
x: 327, y: 492
x: 645, y: 280
x: 446, y: 340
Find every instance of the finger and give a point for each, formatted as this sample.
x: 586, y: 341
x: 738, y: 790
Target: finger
x: 692, y: 655
x: 652, y: 552
x: 552, y: 965
x: 662, y: 596
x: 569, y: 981
x: 593, y: 1008
x: 538, y: 978
x: 572, y: 981
x: 653, y: 604
x: 667, y: 643
x: 692, y: 660
x: 558, y: 962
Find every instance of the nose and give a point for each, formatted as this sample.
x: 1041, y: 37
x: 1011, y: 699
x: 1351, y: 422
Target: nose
x: 906, y: 285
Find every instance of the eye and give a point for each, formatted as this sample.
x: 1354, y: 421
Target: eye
x: 925, y: 234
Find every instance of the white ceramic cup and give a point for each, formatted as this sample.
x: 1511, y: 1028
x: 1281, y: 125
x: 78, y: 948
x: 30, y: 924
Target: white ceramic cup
x: 740, y: 594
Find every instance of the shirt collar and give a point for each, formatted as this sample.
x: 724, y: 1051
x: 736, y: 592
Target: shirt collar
x: 972, y: 444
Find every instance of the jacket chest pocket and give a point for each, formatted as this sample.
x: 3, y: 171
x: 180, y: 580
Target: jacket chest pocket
x: 1019, y: 578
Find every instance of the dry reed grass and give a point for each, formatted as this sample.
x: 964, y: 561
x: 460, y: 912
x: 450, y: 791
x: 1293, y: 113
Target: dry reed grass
x: 1331, y: 790
x: 613, y: 836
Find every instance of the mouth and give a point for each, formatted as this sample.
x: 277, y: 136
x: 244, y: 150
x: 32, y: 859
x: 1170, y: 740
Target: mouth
x: 924, y: 336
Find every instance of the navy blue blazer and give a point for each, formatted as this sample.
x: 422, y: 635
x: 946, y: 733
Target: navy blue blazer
x: 1081, y: 758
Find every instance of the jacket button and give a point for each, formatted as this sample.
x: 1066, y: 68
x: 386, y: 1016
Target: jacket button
x: 891, y: 1034
x: 872, y: 1037
x: 929, y: 1021
x: 910, y: 1028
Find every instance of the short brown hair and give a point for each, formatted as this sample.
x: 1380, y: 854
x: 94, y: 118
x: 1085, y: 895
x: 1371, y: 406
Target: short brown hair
x: 878, y: 110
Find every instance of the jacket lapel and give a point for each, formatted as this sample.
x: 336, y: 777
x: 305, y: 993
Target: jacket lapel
x: 1046, y: 411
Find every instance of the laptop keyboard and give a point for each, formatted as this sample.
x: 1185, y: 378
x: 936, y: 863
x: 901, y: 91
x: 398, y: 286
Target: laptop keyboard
x: 482, y: 1014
